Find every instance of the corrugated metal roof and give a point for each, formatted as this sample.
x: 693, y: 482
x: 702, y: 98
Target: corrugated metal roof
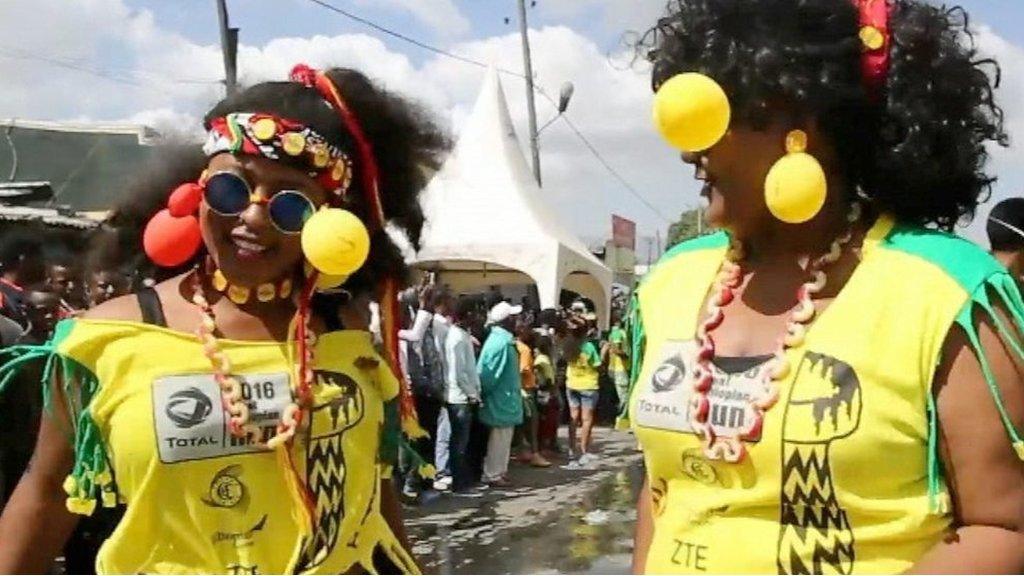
x: 86, y: 165
x: 48, y: 216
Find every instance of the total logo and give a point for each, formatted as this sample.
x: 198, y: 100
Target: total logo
x: 188, y: 408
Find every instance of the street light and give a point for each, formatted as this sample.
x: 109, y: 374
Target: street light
x: 564, y: 97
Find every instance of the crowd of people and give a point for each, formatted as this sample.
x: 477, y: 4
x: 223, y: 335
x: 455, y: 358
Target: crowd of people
x: 493, y: 381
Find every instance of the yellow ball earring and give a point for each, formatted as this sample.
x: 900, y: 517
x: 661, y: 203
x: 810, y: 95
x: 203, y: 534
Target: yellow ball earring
x: 796, y: 186
x: 335, y: 242
x: 691, y: 111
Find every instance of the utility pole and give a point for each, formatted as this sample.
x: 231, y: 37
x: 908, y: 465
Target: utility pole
x: 229, y: 47
x: 531, y: 105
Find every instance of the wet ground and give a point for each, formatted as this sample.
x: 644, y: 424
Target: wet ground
x: 551, y: 521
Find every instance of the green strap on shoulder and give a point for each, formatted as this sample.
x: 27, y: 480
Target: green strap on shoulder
x: 1002, y: 285
x: 91, y: 478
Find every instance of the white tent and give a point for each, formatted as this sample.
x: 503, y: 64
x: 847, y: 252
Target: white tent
x: 487, y: 223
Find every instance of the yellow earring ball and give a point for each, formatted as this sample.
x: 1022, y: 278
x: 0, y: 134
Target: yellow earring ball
x: 796, y: 186
x: 335, y: 242
x: 692, y: 112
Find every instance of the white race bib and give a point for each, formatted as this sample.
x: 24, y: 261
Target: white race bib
x: 663, y: 400
x: 191, y: 423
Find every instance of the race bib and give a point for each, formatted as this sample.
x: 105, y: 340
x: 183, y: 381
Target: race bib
x: 663, y: 400
x: 191, y: 423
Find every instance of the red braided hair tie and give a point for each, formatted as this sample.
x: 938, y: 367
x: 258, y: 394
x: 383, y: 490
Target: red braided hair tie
x: 371, y: 192
x: 368, y: 162
x: 876, y: 41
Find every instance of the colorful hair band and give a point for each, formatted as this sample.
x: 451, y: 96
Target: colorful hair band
x: 876, y: 40
x: 281, y: 140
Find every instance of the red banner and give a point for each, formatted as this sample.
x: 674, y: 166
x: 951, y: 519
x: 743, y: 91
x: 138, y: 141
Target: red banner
x: 623, y: 232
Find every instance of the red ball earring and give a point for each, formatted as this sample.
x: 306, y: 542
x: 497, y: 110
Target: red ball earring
x: 172, y: 237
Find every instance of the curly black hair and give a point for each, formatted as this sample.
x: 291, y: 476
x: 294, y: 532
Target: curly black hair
x: 408, y: 147
x: 117, y: 244
x: 916, y: 151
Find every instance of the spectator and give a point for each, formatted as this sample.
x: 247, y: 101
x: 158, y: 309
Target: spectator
x: 20, y: 403
x: 582, y: 386
x: 502, y: 408
x: 108, y: 269
x: 428, y: 334
x: 103, y: 285
x: 525, y: 340
x: 1006, y: 235
x: 63, y: 281
x: 422, y: 367
x: 463, y: 394
x: 548, y: 405
x: 10, y: 332
x: 42, y: 310
x: 615, y: 355
x: 21, y: 264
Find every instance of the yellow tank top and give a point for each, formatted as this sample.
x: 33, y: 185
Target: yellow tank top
x: 582, y: 374
x: 844, y: 477
x: 152, y: 434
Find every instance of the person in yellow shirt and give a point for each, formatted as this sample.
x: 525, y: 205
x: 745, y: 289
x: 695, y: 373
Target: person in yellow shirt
x: 528, y: 430
x: 239, y: 410
x: 616, y: 356
x: 583, y: 363
x: 831, y: 382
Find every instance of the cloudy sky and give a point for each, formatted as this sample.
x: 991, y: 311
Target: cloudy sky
x: 159, y: 62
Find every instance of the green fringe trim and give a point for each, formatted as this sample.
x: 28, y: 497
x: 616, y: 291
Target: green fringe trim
x: 394, y: 442
x: 637, y: 345
x: 1008, y: 294
x: 91, y: 479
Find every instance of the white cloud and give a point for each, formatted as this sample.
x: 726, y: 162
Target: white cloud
x: 611, y: 103
x: 161, y: 68
x: 1006, y: 163
x: 616, y: 15
x: 443, y: 16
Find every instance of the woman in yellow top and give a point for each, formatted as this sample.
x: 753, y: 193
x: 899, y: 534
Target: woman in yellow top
x: 246, y: 425
x: 832, y: 383
x: 582, y: 375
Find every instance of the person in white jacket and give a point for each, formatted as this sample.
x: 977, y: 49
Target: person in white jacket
x: 462, y: 394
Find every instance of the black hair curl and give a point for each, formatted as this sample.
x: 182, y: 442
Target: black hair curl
x: 916, y: 151
x: 408, y: 147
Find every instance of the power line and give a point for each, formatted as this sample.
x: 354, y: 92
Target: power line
x: 112, y: 76
x: 611, y: 170
x: 410, y: 40
x: 600, y: 158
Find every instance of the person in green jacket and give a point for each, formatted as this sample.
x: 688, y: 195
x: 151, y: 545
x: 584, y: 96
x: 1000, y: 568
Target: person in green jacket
x: 502, y: 406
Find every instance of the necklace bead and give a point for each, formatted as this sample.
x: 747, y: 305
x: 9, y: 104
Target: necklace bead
x: 730, y: 278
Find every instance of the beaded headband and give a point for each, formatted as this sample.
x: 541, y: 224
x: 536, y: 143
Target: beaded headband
x: 281, y: 140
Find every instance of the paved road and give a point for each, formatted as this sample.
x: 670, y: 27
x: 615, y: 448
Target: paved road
x: 550, y: 521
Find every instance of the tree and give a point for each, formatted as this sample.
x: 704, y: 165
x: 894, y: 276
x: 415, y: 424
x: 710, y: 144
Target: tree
x: 685, y: 228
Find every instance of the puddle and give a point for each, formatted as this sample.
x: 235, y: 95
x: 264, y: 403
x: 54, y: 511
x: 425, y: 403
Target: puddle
x: 594, y: 536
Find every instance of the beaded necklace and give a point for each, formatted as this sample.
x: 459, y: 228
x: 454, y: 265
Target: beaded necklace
x: 728, y: 280
x: 231, y: 389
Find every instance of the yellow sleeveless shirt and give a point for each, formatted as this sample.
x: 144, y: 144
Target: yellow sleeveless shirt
x: 844, y: 478
x: 152, y: 434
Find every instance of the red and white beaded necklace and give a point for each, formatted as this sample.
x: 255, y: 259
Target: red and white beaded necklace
x: 729, y: 278
x: 231, y: 389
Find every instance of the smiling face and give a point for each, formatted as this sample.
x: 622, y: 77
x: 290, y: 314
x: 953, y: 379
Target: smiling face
x: 248, y: 248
